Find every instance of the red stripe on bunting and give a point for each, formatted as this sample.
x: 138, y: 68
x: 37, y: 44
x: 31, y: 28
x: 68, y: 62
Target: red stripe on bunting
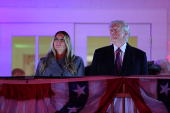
x: 22, y: 92
x: 132, y: 85
x: 113, y: 86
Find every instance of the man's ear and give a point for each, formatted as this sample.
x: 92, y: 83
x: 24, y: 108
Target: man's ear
x: 125, y: 35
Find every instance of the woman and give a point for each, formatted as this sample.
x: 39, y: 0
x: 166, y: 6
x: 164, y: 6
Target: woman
x: 60, y: 60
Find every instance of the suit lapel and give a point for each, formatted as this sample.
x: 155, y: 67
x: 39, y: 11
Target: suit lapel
x: 109, y: 57
x: 54, y: 64
x: 128, y: 57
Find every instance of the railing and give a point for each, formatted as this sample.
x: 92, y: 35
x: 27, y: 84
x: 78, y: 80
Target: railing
x: 12, y: 91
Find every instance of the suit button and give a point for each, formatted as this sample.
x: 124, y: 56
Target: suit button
x: 61, y: 74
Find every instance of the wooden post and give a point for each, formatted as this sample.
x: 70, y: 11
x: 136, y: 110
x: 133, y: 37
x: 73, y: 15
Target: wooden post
x: 123, y: 99
x: 123, y: 95
x: 112, y: 107
x: 135, y: 109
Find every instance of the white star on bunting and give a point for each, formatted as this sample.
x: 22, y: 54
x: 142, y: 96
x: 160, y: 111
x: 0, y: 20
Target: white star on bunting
x: 73, y: 109
x: 80, y: 90
x: 165, y: 89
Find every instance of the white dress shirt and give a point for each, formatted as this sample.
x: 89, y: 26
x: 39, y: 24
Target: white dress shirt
x: 123, y: 48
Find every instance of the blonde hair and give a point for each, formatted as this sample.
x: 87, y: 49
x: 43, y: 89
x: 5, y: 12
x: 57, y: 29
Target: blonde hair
x: 53, y: 53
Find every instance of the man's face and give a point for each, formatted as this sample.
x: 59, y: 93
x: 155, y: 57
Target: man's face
x: 117, y: 34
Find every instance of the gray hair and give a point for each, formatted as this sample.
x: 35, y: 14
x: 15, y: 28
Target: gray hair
x: 125, y: 27
x: 158, y: 62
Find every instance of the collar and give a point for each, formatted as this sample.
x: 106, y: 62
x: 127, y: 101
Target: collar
x: 123, y: 47
x: 60, y: 61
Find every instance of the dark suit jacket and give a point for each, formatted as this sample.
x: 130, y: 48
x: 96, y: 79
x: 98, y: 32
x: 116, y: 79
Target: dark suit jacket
x: 134, y: 62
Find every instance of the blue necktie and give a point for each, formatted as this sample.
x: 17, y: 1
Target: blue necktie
x: 118, y: 61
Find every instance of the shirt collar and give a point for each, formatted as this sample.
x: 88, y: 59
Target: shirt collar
x: 123, y: 48
x: 62, y: 60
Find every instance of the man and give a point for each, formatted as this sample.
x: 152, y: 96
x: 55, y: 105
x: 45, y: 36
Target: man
x: 17, y: 72
x: 119, y: 58
x: 165, y: 66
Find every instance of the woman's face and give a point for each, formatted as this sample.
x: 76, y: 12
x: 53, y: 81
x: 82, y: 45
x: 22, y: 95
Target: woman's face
x: 59, y: 43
